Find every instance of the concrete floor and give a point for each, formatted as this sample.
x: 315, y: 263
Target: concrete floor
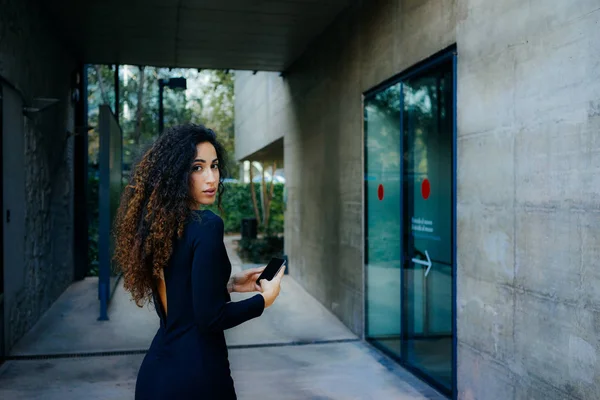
x: 297, y: 346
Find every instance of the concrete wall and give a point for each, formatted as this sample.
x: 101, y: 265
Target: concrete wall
x: 33, y: 60
x: 528, y: 182
x: 529, y: 199
x: 324, y: 153
x: 262, y: 110
x: 320, y: 114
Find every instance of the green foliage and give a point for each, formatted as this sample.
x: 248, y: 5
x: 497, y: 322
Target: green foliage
x: 276, y: 216
x: 237, y: 204
x: 261, y: 250
x: 208, y: 100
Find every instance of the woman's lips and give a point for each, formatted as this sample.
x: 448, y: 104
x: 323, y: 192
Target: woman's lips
x: 210, y: 192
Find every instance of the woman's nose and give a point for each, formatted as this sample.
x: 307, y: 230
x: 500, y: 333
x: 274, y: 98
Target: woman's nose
x: 211, y: 175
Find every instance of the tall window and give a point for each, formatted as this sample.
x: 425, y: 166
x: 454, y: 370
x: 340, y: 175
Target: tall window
x: 383, y: 217
x: 410, y: 219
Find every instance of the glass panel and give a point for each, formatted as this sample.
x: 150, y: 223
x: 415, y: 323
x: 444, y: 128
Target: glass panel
x: 427, y: 135
x: 428, y: 166
x: 382, y: 185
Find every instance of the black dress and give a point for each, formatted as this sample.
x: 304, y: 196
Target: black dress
x: 188, y: 356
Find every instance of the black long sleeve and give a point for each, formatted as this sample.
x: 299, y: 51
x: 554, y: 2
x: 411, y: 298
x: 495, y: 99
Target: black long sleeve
x: 188, y: 357
x: 212, y: 309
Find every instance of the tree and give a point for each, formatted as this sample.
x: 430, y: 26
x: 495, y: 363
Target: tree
x: 213, y: 106
x: 208, y: 100
x: 266, y: 196
x: 140, y: 108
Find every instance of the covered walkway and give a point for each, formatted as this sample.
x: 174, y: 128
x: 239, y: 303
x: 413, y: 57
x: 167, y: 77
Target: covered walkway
x: 297, y: 345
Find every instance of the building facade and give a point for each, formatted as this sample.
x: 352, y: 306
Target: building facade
x: 441, y: 179
x: 38, y: 118
x: 45, y: 48
x: 440, y: 157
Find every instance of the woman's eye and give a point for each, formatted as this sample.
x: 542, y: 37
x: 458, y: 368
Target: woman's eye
x: 197, y: 168
x: 215, y: 166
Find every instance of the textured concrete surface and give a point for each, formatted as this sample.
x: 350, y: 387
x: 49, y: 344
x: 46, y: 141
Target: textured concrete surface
x: 33, y: 61
x: 298, y: 317
x: 528, y: 190
x: 319, y: 113
x: 71, y: 325
x: 267, y: 358
x: 261, y: 107
x: 528, y: 200
x: 321, y: 371
x: 246, y: 35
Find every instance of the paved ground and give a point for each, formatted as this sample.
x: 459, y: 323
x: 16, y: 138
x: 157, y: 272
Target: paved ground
x: 71, y: 355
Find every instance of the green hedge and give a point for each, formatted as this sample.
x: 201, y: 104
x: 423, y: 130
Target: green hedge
x: 237, y: 204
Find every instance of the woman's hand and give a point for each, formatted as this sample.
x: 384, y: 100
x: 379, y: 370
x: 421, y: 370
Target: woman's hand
x: 245, y: 281
x: 270, y: 289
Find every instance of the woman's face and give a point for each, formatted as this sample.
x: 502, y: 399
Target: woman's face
x: 204, y: 179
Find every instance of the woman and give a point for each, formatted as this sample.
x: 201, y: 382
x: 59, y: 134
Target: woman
x: 172, y: 253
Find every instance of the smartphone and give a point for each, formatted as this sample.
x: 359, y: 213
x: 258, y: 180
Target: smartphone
x: 271, y: 270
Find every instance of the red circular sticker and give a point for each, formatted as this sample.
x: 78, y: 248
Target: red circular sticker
x: 425, y: 189
x: 380, y: 192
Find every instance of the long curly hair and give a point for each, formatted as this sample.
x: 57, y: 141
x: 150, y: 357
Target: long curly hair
x: 156, y: 204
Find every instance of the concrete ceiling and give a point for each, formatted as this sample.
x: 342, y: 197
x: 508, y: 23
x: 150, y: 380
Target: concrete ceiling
x: 271, y: 152
x: 235, y: 34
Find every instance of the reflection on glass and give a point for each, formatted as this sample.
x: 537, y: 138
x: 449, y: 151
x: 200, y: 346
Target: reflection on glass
x: 427, y: 211
x: 409, y: 253
x: 382, y: 185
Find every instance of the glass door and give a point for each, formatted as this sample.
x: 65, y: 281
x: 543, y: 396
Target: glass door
x: 383, y: 216
x: 427, y: 210
x: 409, y: 220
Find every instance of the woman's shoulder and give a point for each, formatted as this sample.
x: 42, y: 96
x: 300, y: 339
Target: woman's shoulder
x: 203, y: 222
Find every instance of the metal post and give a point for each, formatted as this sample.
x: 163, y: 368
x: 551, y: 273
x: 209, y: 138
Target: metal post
x: 103, y: 291
x: 161, y: 110
x: 117, y: 91
x: 104, y: 210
